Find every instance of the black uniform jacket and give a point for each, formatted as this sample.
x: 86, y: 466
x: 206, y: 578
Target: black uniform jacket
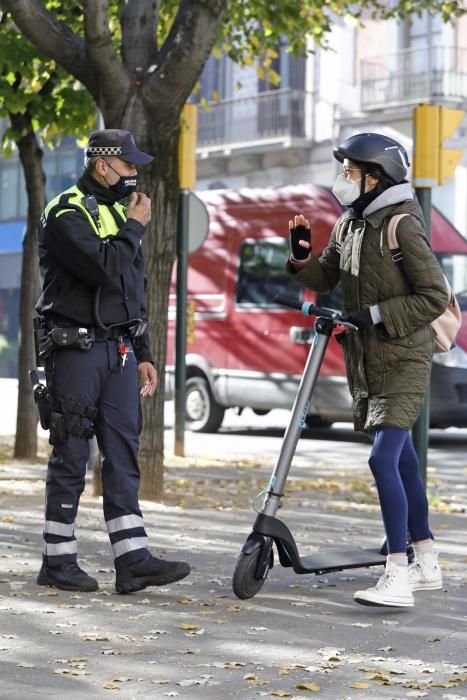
x: 75, y: 261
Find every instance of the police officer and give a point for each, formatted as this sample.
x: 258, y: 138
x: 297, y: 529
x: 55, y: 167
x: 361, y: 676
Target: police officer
x: 96, y: 351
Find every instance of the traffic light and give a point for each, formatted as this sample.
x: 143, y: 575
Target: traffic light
x: 433, y: 163
x: 426, y: 146
x: 449, y: 158
x: 187, y: 147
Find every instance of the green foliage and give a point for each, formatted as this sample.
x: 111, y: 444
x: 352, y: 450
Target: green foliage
x: 31, y: 84
x: 253, y: 29
x: 253, y: 26
x: 251, y: 32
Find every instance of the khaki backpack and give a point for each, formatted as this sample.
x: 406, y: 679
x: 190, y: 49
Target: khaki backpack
x: 445, y: 326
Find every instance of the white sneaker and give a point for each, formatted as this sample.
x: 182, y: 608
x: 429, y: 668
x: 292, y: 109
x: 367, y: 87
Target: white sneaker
x: 392, y: 590
x: 425, y: 573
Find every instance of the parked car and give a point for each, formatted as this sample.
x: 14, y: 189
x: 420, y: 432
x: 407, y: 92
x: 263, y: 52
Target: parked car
x: 247, y: 351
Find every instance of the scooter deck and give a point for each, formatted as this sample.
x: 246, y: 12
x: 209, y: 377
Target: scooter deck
x: 338, y: 560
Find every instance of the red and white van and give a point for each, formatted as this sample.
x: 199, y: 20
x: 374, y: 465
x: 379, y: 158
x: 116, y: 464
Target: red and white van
x: 246, y: 351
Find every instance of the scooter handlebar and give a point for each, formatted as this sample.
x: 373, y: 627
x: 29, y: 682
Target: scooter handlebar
x: 309, y: 309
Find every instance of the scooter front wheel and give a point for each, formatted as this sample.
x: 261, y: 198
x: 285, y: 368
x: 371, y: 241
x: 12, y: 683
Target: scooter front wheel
x: 244, y: 582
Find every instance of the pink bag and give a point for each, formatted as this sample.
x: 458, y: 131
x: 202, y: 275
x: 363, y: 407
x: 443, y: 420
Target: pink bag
x: 447, y: 325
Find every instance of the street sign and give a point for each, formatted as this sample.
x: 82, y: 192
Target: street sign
x: 198, y: 222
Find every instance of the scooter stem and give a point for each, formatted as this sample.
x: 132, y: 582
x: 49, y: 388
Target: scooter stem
x: 323, y: 329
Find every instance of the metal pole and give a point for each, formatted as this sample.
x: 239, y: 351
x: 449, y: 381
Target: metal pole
x: 420, y: 430
x: 181, y: 323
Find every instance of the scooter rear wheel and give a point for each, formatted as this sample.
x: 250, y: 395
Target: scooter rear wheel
x: 244, y: 582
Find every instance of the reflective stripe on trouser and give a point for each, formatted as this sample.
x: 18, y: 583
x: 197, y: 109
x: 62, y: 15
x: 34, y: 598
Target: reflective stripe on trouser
x: 60, y: 548
x: 127, y: 535
x: 96, y: 378
x: 54, y: 545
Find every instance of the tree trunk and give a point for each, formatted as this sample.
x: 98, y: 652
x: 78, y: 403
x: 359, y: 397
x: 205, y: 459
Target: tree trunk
x: 145, y: 94
x: 31, y: 159
x: 160, y: 181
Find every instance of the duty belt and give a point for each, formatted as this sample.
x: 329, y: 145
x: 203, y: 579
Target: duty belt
x: 95, y: 333
x: 110, y: 334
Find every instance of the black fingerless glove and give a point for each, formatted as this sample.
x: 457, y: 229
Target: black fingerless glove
x: 362, y: 319
x: 300, y: 233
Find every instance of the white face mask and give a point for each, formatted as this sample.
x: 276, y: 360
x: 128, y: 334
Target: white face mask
x: 346, y: 191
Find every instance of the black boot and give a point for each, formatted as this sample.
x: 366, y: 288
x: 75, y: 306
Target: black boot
x: 149, y: 572
x: 67, y: 577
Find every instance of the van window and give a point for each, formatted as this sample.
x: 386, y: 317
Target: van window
x: 261, y: 273
x: 455, y: 268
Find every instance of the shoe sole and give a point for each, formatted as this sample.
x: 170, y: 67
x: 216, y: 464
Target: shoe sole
x: 429, y: 586
x: 384, y: 604
x: 46, y: 581
x: 139, y: 584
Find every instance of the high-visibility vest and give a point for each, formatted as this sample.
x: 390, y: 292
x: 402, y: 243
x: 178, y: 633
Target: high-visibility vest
x: 73, y: 199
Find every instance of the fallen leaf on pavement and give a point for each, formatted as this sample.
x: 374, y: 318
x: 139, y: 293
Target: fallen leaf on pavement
x: 71, y: 672
x: 313, y: 687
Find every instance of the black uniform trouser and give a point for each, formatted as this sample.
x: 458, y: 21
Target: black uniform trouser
x: 96, y: 378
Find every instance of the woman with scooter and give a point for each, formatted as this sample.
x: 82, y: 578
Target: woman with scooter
x: 392, y: 296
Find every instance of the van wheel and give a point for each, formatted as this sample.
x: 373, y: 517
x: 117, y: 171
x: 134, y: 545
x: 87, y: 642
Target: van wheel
x: 203, y: 413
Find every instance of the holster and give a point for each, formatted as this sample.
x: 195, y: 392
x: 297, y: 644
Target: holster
x: 62, y: 417
x: 41, y: 399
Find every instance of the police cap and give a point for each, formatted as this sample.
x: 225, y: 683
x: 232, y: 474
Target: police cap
x: 116, y: 142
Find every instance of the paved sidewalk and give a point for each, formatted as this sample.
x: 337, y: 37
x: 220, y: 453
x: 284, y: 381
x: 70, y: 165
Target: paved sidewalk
x: 299, y: 637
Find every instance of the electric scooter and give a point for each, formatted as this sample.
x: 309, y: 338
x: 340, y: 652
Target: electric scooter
x: 257, y: 556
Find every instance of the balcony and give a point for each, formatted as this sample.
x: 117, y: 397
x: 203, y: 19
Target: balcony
x: 259, y: 122
x: 413, y: 76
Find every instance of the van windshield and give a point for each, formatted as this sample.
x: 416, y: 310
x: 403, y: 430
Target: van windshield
x: 455, y: 268
x: 261, y: 273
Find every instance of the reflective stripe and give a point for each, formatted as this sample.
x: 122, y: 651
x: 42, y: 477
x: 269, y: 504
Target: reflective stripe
x: 129, y: 545
x: 125, y: 522
x: 108, y: 225
x: 55, y: 528
x: 60, y: 548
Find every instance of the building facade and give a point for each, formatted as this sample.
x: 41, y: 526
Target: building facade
x: 370, y: 79
x: 257, y: 134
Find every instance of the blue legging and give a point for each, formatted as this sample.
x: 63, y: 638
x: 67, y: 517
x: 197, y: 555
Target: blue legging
x: 404, y: 505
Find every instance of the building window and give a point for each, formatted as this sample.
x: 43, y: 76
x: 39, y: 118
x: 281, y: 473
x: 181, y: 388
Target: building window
x: 61, y: 167
x: 9, y: 189
x: 290, y: 68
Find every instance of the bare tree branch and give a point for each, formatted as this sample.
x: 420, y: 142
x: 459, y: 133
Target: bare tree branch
x: 139, y: 22
x: 112, y: 79
x: 54, y: 38
x: 184, y: 53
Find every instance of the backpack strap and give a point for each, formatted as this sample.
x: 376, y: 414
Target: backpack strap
x: 393, y: 243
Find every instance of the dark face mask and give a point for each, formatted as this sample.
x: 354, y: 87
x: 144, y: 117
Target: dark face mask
x: 125, y: 185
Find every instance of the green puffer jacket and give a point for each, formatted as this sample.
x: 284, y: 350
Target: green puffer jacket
x: 389, y: 365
